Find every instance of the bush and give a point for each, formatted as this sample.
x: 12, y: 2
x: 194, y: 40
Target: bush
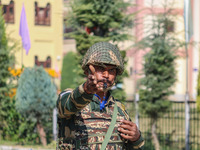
x: 69, y: 75
x: 36, y: 99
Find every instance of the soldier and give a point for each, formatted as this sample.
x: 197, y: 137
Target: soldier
x: 89, y: 116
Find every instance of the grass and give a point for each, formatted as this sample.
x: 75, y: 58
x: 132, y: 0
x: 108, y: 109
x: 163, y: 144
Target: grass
x: 51, y: 146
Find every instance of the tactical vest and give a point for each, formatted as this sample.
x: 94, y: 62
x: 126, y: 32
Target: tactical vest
x: 87, y: 129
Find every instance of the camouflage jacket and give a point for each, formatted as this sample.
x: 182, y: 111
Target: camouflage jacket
x: 83, y: 126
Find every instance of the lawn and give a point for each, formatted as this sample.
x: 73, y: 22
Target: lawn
x: 51, y: 146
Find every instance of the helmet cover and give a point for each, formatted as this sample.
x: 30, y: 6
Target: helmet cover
x: 103, y: 53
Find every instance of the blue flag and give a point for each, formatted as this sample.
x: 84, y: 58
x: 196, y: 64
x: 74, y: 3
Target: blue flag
x: 24, y: 32
x: 188, y: 20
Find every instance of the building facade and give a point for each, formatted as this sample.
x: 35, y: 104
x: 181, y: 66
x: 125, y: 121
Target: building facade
x: 45, y: 23
x: 147, y: 10
x: 135, y: 58
x: 45, y: 20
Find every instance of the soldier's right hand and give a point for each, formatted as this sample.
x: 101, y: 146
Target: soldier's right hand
x: 91, y: 86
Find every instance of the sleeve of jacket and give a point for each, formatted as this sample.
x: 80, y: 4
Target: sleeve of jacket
x: 71, y: 101
x: 136, y: 145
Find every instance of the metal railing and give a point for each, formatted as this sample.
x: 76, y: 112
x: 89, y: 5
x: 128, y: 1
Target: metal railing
x: 171, y: 127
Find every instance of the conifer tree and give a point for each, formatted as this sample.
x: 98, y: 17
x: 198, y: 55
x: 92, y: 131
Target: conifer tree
x: 36, y: 98
x: 6, y: 62
x: 159, y: 70
x: 69, y: 75
x: 98, y: 20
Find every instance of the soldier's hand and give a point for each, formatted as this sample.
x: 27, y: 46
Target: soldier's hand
x: 129, y: 130
x: 91, y: 85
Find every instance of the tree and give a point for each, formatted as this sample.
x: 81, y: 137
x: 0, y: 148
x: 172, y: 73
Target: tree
x: 6, y: 62
x: 159, y: 70
x: 12, y: 125
x: 36, y: 98
x: 69, y: 75
x: 98, y: 20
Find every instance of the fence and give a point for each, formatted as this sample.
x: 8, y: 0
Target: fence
x: 171, y: 127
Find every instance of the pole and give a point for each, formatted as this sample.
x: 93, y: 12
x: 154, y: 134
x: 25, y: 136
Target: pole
x: 188, y: 34
x: 22, y: 57
x: 54, y: 124
x: 136, y: 100
x: 187, y: 107
x: 136, y: 108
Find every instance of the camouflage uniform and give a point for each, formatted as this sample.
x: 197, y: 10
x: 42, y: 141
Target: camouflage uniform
x: 83, y: 126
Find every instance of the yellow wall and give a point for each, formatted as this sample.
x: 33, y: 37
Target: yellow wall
x: 45, y: 40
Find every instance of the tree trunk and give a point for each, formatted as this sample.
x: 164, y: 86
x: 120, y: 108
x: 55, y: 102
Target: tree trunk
x: 154, y: 136
x: 42, y: 134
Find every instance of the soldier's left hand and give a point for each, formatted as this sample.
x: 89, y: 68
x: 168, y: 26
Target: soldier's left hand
x: 129, y: 130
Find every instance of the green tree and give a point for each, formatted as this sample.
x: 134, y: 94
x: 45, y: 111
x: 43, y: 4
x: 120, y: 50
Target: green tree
x: 68, y: 75
x: 12, y: 125
x: 159, y: 70
x: 6, y: 62
x: 36, y: 98
x: 19, y: 128
x: 98, y: 20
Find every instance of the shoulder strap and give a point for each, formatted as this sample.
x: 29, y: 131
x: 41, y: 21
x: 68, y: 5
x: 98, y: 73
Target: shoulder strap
x: 110, y: 129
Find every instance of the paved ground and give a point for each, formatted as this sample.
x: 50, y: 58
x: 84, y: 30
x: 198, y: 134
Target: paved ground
x: 3, y: 147
x: 13, y: 148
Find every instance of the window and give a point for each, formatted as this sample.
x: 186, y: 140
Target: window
x: 45, y: 64
x: 131, y: 71
x: 8, y: 12
x: 169, y: 26
x: 42, y: 15
x: 67, y: 30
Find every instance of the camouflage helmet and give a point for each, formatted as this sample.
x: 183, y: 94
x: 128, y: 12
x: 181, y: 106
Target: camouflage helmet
x: 102, y: 53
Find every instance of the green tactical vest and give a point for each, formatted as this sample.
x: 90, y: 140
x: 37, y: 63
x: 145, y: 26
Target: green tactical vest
x: 87, y: 129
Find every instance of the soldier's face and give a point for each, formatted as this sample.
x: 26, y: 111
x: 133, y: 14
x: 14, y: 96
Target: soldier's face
x: 105, y: 74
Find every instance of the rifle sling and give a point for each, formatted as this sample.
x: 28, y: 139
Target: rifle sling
x: 110, y: 129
